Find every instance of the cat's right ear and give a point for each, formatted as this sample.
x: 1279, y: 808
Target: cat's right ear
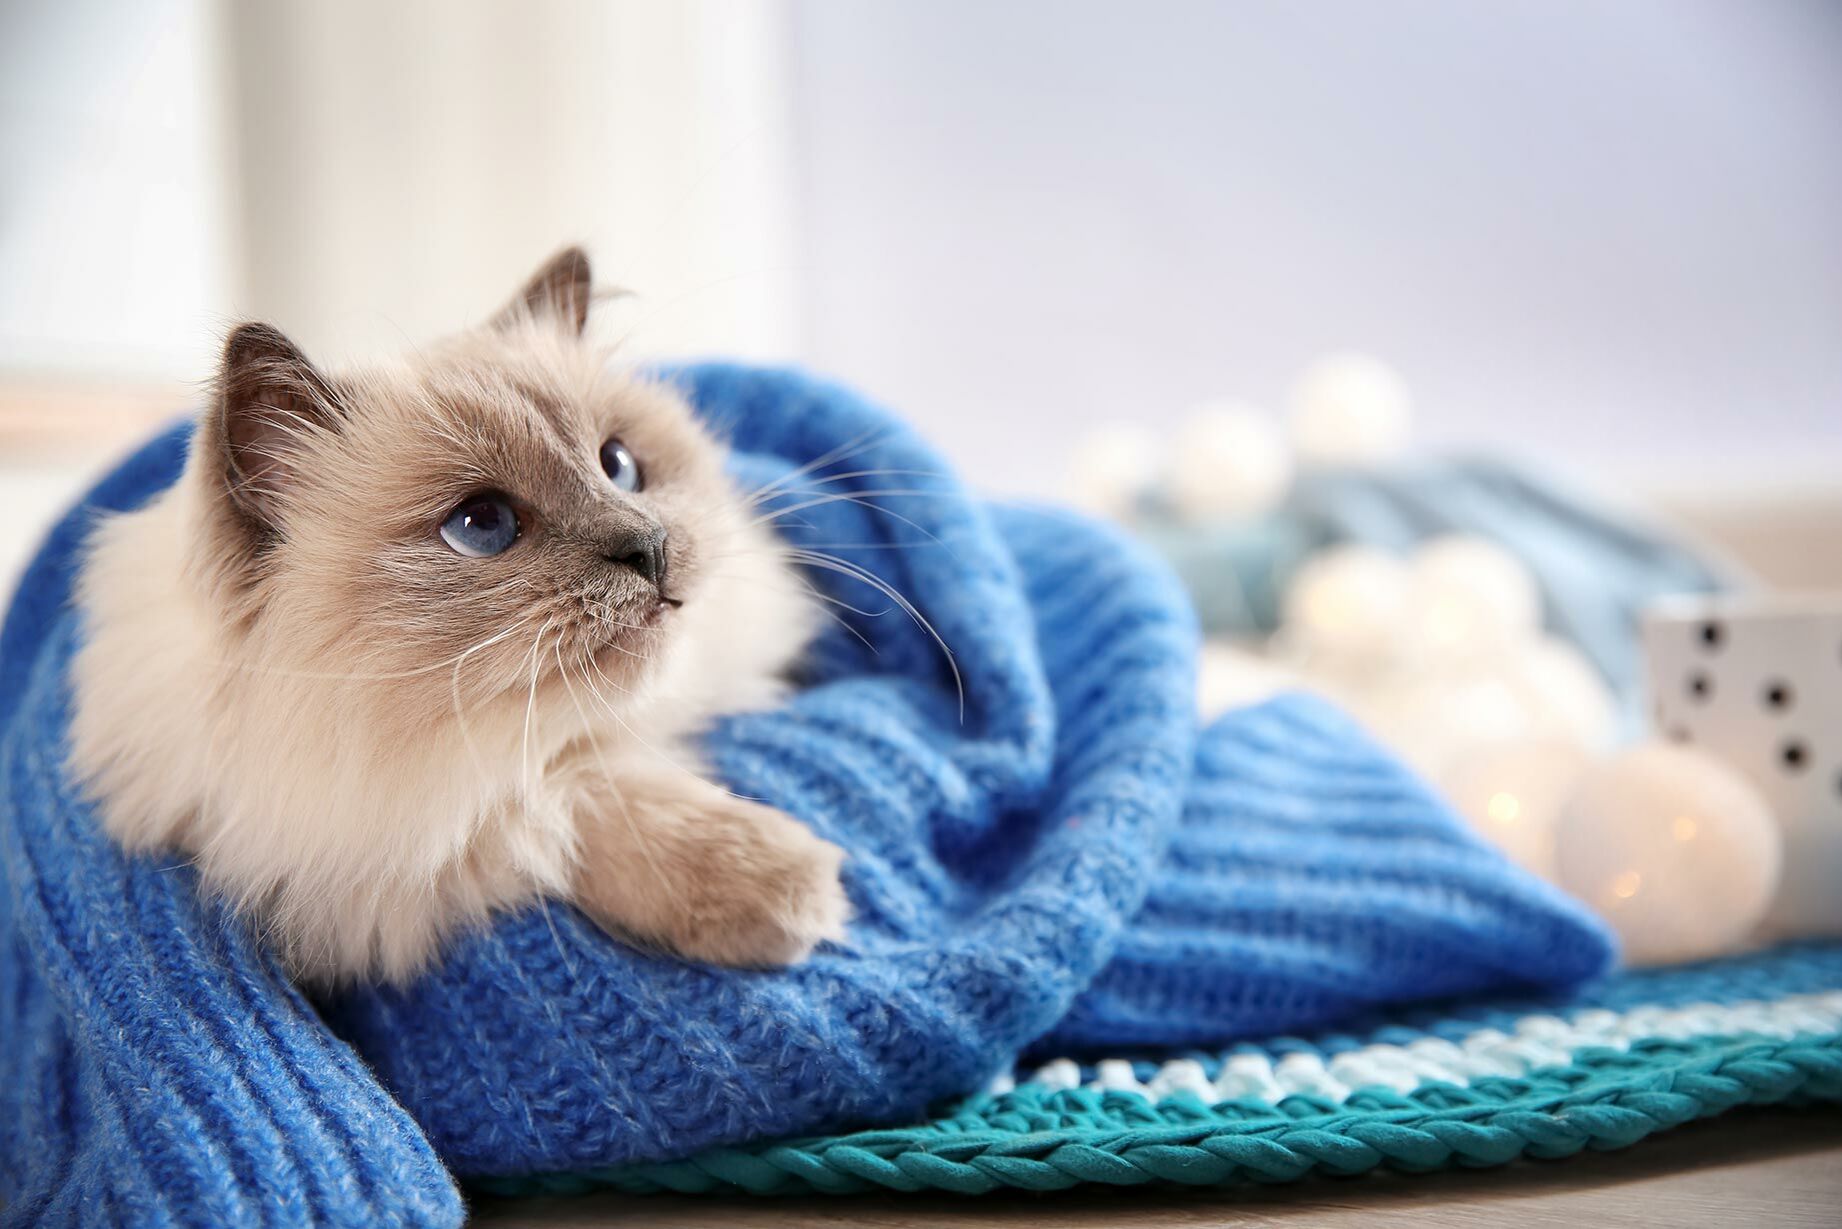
x: 558, y: 292
x: 271, y: 402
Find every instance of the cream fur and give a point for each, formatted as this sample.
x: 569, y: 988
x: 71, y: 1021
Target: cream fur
x: 355, y: 739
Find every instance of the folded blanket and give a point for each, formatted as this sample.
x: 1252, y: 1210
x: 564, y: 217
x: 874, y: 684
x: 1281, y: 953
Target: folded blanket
x: 1045, y: 855
x: 1460, y: 1085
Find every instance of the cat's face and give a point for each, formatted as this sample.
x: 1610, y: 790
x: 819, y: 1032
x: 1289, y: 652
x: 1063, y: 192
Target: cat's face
x: 496, y: 513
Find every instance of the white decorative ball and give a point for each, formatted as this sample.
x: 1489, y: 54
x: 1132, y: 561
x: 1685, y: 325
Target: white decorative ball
x: 1346, y: 601
x: 1111, y: 466
x: 1350, y: 409
x: 1434, y: 719
x: 1570, y: 698
x: 1674, y: 849
x: 1468, y: 599
x: 1229, y: 676
x: 1512, y: 793
x: 1229, y: 462
x: 1471, y: 589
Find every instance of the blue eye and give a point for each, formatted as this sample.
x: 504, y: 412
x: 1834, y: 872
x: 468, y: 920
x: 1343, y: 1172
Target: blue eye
x: 480, y: 526
x: 622, y: 470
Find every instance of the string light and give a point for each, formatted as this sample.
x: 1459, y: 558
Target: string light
x: 1676, y: 850
x: 1229, y: 463
x: 1512, y: 792
x: 1350, y: 409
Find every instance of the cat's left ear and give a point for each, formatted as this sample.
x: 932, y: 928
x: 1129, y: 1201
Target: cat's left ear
x: 557, y: 292
x: 270, y: 403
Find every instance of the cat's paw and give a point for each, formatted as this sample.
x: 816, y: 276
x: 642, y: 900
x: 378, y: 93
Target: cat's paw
x: 674, y: 863
x: 767, y: 894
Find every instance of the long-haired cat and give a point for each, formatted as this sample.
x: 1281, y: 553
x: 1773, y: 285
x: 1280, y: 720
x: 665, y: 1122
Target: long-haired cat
x: 413, y: 643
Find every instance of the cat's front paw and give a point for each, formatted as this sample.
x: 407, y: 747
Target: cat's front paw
x: 767, y: 894
x: 675, y: 863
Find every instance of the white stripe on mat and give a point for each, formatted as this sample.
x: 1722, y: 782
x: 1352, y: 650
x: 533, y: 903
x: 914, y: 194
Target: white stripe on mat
x: 1538, y: 1041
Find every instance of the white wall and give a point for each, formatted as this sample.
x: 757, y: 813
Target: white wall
x: 406, y: 164
x: 370, y: 172
x: 1607, y: 233
x: 115, y: 247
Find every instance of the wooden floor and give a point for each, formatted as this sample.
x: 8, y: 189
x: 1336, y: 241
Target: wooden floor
x: 1781, y: 1168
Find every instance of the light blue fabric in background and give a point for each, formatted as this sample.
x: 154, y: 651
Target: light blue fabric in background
x: 1597, y: 570
x: 1061, y: 860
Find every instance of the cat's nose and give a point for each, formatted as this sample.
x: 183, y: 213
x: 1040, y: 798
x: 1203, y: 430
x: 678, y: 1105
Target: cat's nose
x: 643, y: 550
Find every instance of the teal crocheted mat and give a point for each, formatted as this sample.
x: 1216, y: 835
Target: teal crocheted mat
x: 1468, y: 1085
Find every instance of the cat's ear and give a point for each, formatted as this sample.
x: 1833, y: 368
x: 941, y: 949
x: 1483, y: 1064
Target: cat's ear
x: 558, y: 292
x: 271, y: 402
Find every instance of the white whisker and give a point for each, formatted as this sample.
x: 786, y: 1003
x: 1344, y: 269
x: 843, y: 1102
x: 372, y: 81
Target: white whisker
x: 832, y: 563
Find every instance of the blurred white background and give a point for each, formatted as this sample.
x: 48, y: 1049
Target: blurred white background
x: 1609, y: 235
x: 1600, y: 236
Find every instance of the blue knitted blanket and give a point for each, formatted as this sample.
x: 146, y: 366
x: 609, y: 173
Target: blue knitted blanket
x: 1046, y: 856
x: 1457, y: 1085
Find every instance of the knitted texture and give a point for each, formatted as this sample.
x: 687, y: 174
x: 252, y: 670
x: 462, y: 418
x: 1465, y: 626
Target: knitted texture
x: 1044, y: 853
x: 1477, y: 1086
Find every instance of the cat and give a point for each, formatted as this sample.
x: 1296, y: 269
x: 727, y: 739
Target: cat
x: 415, y: 643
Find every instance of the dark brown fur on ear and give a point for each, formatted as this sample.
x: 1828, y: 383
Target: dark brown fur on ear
x: 270, y: 400
x: 559, y: 291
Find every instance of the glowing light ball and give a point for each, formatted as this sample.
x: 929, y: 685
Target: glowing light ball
x: 1111, y: 467
x: 1229, y: 462
x: 1470, y: 593
x: 1346, y: 601
x: 1350, y: 409
x: 1674, y: 849
x: 1512, y: 793
x: 1229, y: 676
x: 1480, y: 573
x: 1434, y: 719
x: 1569, y: 697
